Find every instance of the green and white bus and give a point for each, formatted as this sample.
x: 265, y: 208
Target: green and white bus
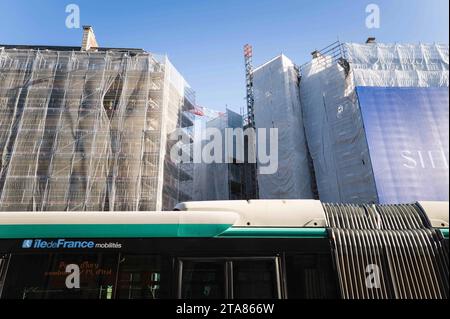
x: 263, y: 249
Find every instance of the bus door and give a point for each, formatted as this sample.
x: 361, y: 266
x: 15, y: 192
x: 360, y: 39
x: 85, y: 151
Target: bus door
x: 229, y: 278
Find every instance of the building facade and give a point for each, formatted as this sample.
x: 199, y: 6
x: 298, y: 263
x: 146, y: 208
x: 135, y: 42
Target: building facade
x: 88, y: 129
x: 222, y: 180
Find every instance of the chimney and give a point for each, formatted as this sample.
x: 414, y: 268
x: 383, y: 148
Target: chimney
x: 315, y: 54
x: 89, y: 42
x: 370, y: 40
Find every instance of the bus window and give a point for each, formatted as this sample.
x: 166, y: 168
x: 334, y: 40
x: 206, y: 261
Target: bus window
x: 61, y: 276
x: 230, y: 278
x: 139, y: 277
x: 310, y: 277
x: 4, y: 259
x: 255, y: 279
x: 203, y: 280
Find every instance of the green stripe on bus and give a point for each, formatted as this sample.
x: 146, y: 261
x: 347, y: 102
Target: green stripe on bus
x: 111, y: 230
x: 275, y: 232
x: 444, y: 232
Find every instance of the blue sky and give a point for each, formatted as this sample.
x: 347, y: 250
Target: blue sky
x: 204, y: 38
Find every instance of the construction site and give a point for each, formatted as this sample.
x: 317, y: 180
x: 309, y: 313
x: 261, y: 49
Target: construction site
x: 361, y: 185
x: 359, y: 123
x: 87, y: 128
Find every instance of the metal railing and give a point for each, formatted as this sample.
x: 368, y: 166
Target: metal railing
x: 331, y: 54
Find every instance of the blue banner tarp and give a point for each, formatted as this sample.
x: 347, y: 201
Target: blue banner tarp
x: 407, y: 131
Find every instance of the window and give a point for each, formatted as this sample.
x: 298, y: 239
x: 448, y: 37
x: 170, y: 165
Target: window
x: 3, y: 269
x: 44, y: 276
x: 310, y: 277
x: 139, y: 277
x: 255, y: 279
x: 229, y: 278
x: 3, y: 102
x: 203, y: 280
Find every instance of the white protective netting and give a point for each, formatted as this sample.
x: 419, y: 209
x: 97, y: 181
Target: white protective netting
x: 277, y: 105
x: 86, y: 130
x: 333, y: 123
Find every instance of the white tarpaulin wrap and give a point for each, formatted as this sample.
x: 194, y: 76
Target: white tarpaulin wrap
x: 398, y: 65
x: 331, y: 114
x: 214, y: 181
x: 277, y: 106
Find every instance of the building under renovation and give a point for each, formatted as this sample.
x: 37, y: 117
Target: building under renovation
x: 364, y: 123
x: 277, y: 105
x: 219, y: 180
x: 86, y: 128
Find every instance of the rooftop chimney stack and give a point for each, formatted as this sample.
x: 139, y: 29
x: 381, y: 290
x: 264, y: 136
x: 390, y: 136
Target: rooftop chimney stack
x: 370, y: 40
x: 89, y: 42
x: 316, y: 54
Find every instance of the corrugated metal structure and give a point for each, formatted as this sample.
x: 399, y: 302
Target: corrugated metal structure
x: 387, y: 252
x: 88, y: 130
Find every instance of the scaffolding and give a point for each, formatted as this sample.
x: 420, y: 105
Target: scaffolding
x: 87, y: 130
x: 249, y: 190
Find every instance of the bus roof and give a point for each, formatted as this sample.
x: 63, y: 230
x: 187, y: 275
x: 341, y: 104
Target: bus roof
x: 265, y: 218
